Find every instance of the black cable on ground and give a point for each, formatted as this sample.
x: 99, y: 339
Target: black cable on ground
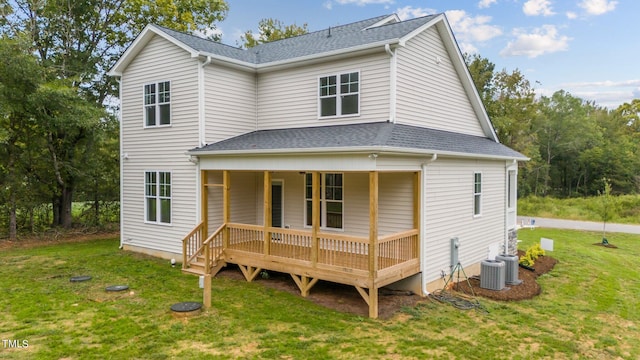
x: 458, y: 301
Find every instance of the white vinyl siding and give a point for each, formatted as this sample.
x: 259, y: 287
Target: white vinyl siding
x: 429, y: 91
x: 289, y: 98
x: 230, y: 102
x: 160, y: 148
x: 448, y: 203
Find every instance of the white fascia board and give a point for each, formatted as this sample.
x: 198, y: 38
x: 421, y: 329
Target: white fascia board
x: 325, y: 56
x: 139, y: 43
x: 391, y: 18
x: 282, y: 64
x: 388, y: 150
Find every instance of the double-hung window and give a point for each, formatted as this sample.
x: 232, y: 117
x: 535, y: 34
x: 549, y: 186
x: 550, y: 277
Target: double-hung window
x: 331, y: 201
x: 157, y: 104
x: 339, y: 95
x: 477, y: 194
x: 157, y: 193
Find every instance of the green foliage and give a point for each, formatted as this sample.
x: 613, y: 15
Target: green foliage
x: 623, y: 209
x: 531, y: 255
x: 590, y: 295
x: 271, y: 30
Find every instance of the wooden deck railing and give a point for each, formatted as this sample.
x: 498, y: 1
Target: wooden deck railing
x: 210, y: 248
x: 333, y: 249
x: 191, y: 244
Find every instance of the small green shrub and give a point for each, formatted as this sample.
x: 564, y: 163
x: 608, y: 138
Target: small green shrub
x: 531, y: 255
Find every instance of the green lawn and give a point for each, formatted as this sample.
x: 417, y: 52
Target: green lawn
x: 589, y: 308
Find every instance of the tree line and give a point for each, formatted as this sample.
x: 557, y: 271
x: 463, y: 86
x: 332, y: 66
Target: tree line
x: 575, y: 146
x: 59, y: 140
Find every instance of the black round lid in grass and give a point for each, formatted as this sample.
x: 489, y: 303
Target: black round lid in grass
x: 80, y: 278
x: 117, y: 288
x: 186, y: 306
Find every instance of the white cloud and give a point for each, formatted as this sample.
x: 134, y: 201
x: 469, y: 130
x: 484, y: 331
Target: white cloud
x: 571, y: 15
x: 541, y: 41
x: 409, y: 12
x: 364, y: 2
x: 328, y: 5
x: 537, y: 7
x: 486, y: 3
x: 598, y: 7
x: 470, y: 30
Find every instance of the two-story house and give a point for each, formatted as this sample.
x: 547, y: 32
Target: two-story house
x: 353, y: 154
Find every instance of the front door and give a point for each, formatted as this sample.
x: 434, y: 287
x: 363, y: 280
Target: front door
x: 277, y: 203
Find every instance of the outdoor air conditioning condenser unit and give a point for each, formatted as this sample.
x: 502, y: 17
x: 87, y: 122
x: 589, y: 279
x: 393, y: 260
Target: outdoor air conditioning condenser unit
x: 511, y: 268
x: 492, y: 274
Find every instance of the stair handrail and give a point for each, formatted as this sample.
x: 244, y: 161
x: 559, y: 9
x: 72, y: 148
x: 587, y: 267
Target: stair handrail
x: 207, y: 249
x: 185, y: 242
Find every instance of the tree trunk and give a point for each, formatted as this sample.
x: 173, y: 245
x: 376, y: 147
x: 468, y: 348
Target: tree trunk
x: 66, y: 203
x: 13, y: 228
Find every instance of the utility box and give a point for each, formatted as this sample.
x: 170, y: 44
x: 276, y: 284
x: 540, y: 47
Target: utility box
x: 455, y: 244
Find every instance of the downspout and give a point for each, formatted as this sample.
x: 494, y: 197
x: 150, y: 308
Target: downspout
x: 507, y: 168
x: 393, y: 80
x: 202, y: 129
x: 119, y: 80
x: 201, y: 99
x: 423, y: 223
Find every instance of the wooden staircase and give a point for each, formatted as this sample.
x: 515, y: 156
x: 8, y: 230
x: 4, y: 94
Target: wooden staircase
x: 201, y: 257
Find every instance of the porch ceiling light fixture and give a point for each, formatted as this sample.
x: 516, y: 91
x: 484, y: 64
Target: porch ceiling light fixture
x: 373, y: 156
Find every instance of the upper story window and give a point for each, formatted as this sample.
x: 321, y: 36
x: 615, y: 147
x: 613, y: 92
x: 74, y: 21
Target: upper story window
x: 157, y: 104
x: 477, y: 194
x: 339, y: 95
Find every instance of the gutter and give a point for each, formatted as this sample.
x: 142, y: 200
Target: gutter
x: 201, y: 100
x: 387, y: 150
x: 279, y: 64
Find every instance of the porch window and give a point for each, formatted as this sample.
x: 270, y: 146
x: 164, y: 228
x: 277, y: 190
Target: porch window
x: 339, y: 95
x: 157, y: 191
x: 477, y: 194
x: 157, y: 104
x: 331, y: 201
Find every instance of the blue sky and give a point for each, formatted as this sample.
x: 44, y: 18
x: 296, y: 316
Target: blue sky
x: 589, y: 48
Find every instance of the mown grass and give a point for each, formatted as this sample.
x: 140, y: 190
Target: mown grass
x: 589, y: 308
x: 623, y: 209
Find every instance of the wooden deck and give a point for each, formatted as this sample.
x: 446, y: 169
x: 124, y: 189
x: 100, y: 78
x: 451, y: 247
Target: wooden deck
x: 333, y: 257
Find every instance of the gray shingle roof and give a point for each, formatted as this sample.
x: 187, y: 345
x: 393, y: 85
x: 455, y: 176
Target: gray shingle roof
x: 368, y: 135
x: 342, y: 37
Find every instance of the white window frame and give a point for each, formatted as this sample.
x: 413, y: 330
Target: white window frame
x: 323, y: 202
x: 477, y: 195
x: 158, y: 197
x: 156, y: 104
x: 339, y: 94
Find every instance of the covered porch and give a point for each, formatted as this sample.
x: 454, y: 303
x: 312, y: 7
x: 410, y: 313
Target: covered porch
x: 359, y: 229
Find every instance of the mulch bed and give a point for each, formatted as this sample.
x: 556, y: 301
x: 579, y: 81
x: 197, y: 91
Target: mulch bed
x: 345, y: 298
x: 526, y: 290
